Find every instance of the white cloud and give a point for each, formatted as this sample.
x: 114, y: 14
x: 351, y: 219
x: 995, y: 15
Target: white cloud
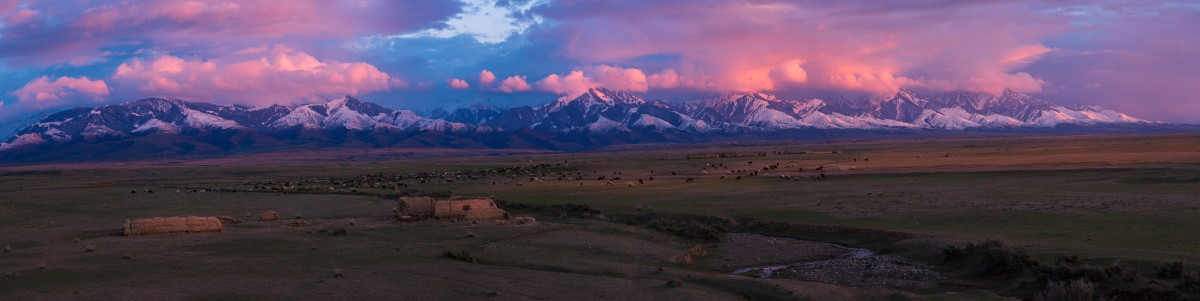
x: 484, y: 20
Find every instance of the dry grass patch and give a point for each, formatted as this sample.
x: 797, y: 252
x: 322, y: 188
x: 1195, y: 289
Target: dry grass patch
x: 163, y: 225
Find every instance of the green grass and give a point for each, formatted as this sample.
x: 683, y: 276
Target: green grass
x: 1141, y: 214
x: 251, y: 247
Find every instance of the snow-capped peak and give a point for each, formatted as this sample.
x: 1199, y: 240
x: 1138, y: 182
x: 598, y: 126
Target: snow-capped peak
x: 596, y: 97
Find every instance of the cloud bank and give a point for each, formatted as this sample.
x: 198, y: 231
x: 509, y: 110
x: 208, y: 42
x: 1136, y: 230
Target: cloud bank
x: 1137, y: 57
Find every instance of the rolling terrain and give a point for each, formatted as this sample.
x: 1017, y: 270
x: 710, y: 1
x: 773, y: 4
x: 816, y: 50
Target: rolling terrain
x: 1114, y: 211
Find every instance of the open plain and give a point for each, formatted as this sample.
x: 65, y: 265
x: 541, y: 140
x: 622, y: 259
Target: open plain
x: 949, y: 218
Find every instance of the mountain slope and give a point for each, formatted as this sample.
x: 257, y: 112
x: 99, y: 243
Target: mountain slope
x: 595, y: 118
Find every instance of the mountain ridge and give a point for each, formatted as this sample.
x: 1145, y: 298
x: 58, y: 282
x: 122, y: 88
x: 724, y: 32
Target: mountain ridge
x: 594, y: 118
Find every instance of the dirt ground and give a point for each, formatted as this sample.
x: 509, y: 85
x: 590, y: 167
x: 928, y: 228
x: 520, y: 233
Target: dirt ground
x: 1129, y: 198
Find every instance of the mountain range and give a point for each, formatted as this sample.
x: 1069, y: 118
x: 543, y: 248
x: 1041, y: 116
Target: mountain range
x: 598, y: 117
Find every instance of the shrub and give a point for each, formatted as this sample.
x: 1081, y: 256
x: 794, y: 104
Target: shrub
x: 1189, y: 283
x: 460, y: 255
x: 1075, y: 290
x: 1172, y: 270
x: 566, y: 210
x: 1152, y: 290
x: 990, y: 258
x: 674, y: 282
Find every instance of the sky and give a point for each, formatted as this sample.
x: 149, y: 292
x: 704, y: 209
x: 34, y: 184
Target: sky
x: 1138, y: 57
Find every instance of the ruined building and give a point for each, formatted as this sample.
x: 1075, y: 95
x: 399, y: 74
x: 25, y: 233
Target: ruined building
x: 464, y: 208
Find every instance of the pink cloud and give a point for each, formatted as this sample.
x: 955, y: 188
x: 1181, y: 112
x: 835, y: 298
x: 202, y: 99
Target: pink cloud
x: 572, y: 83
x: 879, y: 82
x: 611, y: 77
x: 46, y: 92
x: 789, y: 72
x: 667, y: 79
x: 280, y: 75
x: 631, y: 79
x: 458, y: 84
x: 1020, y: 82
x: 514, y: 84
x: 20, y: 16
x: 634, y: 79
x: 765, y: 45
x: 69, y: 32
x: 486, y: 78
x: 1023, y: 55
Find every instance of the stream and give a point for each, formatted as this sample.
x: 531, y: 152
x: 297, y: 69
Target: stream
x: 767, y: 271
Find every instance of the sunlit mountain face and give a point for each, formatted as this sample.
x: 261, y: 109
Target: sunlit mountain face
x: 598, y: 117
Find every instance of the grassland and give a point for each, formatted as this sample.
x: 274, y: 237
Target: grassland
x: 1132, y: 200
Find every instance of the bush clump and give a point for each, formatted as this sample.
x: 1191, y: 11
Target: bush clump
x: 1075, y: 290
x: 568, y: 210
x: 990, y: 258
x: 463, y: 255
x: 1174, y: 270
x: 705, y: 227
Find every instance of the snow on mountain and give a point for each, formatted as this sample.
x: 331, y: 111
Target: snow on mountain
x: 408, y: 121
x: 23, y: 141
x: 338, y: 113
x: 342, y: 117
x: 756, y: 110
x: 1093, y: 115
x: 155, y: 125
x: 595, y: 98
x: 835, y: 120
x: 303, y: 116
x: 906, y: 109
x: 605, y: 125
x: 648, y: 121
x: 597, y: 111
x: 687, y: 123
x: 200, y: 120
x: 99, y: 130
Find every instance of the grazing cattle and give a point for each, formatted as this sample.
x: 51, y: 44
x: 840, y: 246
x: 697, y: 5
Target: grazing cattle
x: 689, y: 180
